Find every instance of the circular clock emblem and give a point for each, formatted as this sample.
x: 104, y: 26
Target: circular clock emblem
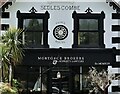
x: 60, y: 32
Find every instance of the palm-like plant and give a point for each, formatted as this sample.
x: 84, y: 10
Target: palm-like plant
x: 4, y: 60
x: 12, y: 53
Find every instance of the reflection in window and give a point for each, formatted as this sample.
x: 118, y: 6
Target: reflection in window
x: 31, y: 78
x: 33, y: 35
x: 33, y: 24
x: 40, y: 84
x: 88, y: 24
x: 88, y: 32
x: 33, y: 38
x: 88, y: 38
x: 91, y: 28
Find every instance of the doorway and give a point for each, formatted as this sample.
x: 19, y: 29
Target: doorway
x: 64, y: 80
x: 60, y: 80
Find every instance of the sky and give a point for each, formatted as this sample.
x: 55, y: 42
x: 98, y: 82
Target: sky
x: 117, y: 0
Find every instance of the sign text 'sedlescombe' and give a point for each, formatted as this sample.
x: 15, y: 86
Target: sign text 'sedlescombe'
x: 59, y: 7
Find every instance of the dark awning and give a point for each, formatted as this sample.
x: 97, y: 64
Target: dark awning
x: 69, y: 57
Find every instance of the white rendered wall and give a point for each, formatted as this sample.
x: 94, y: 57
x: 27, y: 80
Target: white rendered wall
x: 64, y: 17
x: 114, y: 82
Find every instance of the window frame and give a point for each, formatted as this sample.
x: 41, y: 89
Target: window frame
x: 100, y: 17
x: 45, y: 16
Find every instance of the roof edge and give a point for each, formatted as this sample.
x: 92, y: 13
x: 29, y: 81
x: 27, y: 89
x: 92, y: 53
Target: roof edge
x: 6, y: 5
x: 114, y: 4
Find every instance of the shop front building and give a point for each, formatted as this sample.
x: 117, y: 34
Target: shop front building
x: 61, y: 41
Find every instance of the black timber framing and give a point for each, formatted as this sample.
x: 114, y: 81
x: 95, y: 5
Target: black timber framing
x: 4, y: 26
x: 117, y: 52
x: 115, y: 39
x: 45, y: 16
x: 114, y: 4
x: 115, y: 27
x: 116, y: 65
x: 115, y: 15
x: 115, y: 89
x: 5, y: 15
x: 99, y: 16
x: 6, y: 5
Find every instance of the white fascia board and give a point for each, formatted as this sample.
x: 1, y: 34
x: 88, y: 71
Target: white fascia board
x: 118, y: 1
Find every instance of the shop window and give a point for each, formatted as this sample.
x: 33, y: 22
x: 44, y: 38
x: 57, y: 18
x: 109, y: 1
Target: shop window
x: 32, y: 79
x: 88, y: 30
x: 35, y: 26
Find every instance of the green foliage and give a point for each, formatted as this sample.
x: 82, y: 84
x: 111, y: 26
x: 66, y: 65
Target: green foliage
x: 11, y: 48
x: 5, y: 88
x: 11, y: 52
x: 16, y: 83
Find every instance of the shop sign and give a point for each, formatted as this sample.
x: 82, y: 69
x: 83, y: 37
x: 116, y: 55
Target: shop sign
x: 68, y: 59
x: 71, y: 57
x: 59, y: 7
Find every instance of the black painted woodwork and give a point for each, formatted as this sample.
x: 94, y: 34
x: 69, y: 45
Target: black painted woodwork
x: 5, y: 14
x: 100, y: 16
x: 115, y: 39
x: 115, y: 27
x: 33, y: 15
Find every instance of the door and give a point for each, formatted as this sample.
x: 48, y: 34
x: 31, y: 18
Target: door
x: 61, y: 80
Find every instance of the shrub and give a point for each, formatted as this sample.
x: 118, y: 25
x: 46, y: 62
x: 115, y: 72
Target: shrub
x: 6, y: 88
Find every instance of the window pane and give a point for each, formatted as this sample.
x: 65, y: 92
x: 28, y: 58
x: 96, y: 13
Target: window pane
x: 28, y: 38
x: 33, y: 24
x: 38, y: 38
x: 88, y: 24
x: 88, y: 38
x: 33, y: 38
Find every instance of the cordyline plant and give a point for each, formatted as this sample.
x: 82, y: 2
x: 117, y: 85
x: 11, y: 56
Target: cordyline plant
x: 11, y: 52
x: 100, y: 80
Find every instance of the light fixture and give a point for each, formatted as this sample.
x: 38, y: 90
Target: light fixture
x: 58, y: 74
